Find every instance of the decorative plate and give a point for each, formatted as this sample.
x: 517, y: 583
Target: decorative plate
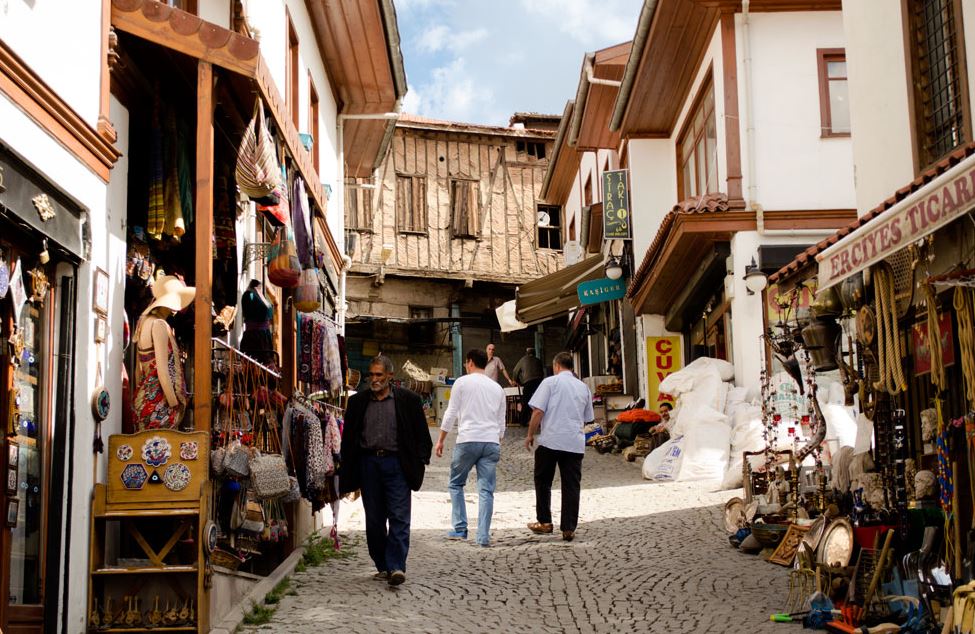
x: 134, y: 476
x: 210, y: 536
x: 176, y: 477
x: 101, y: 403
x: 189, y: 450
x: 836, y: 545
x: 815, y: 533
x: 156, y: 451
x: 734, y: 515
x: 124, y: 453
x: 4, y: 278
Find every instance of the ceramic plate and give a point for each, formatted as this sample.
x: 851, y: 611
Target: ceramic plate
x: 189, y: 450
x: 134, y: 476
x: 156, y: 451
x: 4, y: 278
x: 124, y: 453
x: 836, y: 545
x: 176, y: 477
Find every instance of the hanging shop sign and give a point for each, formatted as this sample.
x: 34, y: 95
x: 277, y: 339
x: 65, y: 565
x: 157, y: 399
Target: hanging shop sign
x: 616, y: 205
x: 599, y: 291
x: 663, y: 359
x: 947, y: 197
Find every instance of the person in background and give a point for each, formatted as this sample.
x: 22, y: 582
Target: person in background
x: 477, y: 406
x: 660, y: 433
x: 528, y: 373
x: 386, y: 445
x: 495, y: 367
x: 562, y: 406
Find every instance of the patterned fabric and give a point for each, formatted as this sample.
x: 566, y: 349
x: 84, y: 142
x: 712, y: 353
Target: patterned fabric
x: 318, y: 356
x: 302, y: 226
x: 174, y: 226
x: 152, y: 410
x: 333, y: 375
x: 156, y: 221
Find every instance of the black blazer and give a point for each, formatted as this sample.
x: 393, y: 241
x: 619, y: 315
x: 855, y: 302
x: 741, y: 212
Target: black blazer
x: 412, y: 439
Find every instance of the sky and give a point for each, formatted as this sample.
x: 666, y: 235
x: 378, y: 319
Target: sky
x: 480, y: 61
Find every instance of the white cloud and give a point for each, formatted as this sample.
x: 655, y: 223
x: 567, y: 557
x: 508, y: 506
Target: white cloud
x: 414, y: 5
x: 587, y: 20
x: 437, y: 37
x: 452, y: 94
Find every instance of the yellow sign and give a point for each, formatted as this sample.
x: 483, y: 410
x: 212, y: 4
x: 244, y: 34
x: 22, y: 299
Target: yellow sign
x: 663, y: 358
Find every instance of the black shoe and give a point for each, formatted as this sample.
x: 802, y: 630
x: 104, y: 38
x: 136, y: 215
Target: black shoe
x: 396, y: 577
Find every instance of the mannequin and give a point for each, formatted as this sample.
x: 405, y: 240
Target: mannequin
x: 258, y: 313
x: 160, y: 397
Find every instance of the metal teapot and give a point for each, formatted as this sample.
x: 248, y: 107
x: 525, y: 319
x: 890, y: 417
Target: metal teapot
x: 820, y: 338
x: 826, y: 303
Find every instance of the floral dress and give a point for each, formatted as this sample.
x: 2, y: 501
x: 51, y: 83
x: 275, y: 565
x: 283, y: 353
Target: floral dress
x: 152, y: 410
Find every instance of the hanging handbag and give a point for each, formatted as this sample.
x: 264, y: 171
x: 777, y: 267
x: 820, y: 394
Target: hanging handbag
x: 294, y: 491
x: 257, y: 168
x: 277, y: 211
x: 269, y: 475
x: 283, y: 268
x: 236, y: 461
x: 253, y: 515
x: 306, y: 294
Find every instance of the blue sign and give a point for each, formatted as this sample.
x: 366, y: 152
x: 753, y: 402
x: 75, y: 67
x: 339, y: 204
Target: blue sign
x: 599, y: 291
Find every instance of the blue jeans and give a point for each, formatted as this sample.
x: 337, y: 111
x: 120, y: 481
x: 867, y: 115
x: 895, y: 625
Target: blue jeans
x: 484, y: 456
x: 386, y: 500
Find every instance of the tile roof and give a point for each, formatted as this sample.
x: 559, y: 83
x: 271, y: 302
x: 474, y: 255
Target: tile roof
x: 808, y: 257
x: 709, y: 203
x: 412, y: 120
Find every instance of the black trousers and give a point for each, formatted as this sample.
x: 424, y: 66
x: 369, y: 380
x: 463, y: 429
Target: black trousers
x: 527, y: 392
x: 570, y: 471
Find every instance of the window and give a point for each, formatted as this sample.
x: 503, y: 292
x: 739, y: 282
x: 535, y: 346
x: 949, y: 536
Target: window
x: 313, y: 120
x: 465, y: 217
x: 834, y: 93
x: 411, y: 204
x: 530, y: 149
x: 940, y: 84
x: 422, y: 329
x: 697, y: 148
x: 186, y: 5
x: 291, y: 72
x: 358, y: 205
x: 549, y: 227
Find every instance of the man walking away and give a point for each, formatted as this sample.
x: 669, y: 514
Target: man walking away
x: 495, y: 367
x: 385, y: 447
x: 528, y: 373
x: 477, y: 406
x: 562, y: 405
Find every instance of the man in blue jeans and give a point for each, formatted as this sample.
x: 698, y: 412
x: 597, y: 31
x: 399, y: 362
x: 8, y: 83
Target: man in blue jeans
x: 477, y: 406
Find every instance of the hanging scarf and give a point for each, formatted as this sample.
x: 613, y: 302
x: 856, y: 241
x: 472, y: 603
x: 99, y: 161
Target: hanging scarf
x: 156, y: 221
x: 300, y: 219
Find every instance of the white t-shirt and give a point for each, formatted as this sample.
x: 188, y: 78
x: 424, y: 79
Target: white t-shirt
x: 477, y: 405
x: 567, y: 404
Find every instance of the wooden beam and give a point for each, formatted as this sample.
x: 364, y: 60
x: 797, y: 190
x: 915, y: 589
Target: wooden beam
x: 732, y: 135
x: 203, y: 301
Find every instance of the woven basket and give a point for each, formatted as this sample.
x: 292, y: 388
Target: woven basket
x: 225, y: 559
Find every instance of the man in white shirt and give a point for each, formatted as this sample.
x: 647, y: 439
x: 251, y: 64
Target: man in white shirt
x: 561, y: 406
x: 477, y: 405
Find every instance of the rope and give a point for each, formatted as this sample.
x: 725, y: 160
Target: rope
x: 963, y: 303
x: 888, y: 337
x: 934, y: 339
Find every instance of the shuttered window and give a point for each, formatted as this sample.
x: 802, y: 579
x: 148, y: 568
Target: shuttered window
x: 358, y: 205
x: 411, y: 204
x: 465, y: 217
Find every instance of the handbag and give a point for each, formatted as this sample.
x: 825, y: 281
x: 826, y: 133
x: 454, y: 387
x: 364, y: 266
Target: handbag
x: 257, y: 172
x: 217, y: 456
x: 276, y: 210
x: 283, y: 268
x: 306, y: 298
x: 269, y: 475
x: 237, y: 460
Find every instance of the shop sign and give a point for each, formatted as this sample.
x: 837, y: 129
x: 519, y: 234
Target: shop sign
x: 663, y: 358
x: 922, y: 344
x: 616, y: 205
x: 938, y: 203
x: 774, y: 301
x: 599, y: 291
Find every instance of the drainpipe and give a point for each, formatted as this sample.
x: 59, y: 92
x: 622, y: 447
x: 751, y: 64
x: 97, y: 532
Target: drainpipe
x: 340, y: 195
x: 602, y: 82
x: 457, y: 341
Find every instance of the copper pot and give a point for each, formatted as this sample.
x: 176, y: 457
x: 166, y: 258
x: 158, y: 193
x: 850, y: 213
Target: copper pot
x: 826, y: 303
x: 820, y: 338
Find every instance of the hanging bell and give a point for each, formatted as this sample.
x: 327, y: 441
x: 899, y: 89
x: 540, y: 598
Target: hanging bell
x: 44, y: 256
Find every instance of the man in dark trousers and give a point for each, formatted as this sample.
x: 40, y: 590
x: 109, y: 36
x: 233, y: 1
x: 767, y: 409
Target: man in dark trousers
x: 528, y: 373
x: 386, y: 446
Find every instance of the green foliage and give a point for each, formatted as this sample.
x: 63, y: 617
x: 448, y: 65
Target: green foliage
x: 259, y: 614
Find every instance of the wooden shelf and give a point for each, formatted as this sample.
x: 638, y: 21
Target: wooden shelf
x: 130, y: 513
x: 182, y: 628
x: 144, y: 571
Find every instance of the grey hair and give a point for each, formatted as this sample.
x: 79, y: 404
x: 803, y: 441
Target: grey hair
x: 384, y: 361
x: 564, y: 360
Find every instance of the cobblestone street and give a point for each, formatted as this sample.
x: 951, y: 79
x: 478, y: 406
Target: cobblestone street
x: 647, y: 557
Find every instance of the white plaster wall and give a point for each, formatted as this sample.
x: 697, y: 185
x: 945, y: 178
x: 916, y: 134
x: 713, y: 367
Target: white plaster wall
x: 71, y: 176
x: 37, y: 30
x: 653, y: 188
x: 795, y: 167
x: 216, y: 11
x: 882, y: 148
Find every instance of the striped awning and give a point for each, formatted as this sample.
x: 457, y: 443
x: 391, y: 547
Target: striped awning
x: 554, y: 295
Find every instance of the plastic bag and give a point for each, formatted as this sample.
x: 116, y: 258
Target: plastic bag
x: 706, y: 450
x: 664, y: 462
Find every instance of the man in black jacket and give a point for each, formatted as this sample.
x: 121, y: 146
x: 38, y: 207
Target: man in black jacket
x: 386, y: 446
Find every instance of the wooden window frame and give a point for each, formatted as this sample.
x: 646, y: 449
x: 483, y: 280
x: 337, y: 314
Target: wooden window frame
x: 918, y: 128
x: 550, y: 230
x: 358, y: 206
x: 823, y: 57
x: 707, y: 85
x: 422, y: 213
x: 454, y: 224
x: 313, y: 114
x: 292, y: 70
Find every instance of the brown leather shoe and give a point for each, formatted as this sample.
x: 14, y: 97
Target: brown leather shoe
x: 568, y: 535
x: 540, y: 529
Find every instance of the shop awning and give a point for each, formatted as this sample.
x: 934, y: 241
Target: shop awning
x: 554, y: 295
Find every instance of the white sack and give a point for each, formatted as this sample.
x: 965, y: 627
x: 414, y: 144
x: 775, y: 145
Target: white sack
x: 746, y: 435
x: 664, y: 462
x: 693, y: 413
x: 706, y: 449
x: 688, y: 378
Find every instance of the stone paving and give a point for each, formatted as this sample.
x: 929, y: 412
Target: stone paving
x: 648, y: 557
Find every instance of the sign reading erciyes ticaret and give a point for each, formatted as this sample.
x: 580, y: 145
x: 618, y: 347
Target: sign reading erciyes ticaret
x: 947, y: 197
x: 599, y: 291
x: 616, y: 205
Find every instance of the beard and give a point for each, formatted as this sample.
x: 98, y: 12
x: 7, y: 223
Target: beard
x: 379, y: 386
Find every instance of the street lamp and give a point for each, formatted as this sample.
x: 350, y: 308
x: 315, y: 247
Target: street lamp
x: 614, y: 269
x: 755, y: 280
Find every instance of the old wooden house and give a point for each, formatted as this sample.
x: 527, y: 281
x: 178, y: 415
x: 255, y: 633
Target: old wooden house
x: 442, y: 235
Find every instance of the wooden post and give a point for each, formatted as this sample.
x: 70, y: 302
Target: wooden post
x: 204, y: 260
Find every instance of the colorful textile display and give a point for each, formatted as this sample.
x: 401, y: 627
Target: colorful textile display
x: 319, y: 358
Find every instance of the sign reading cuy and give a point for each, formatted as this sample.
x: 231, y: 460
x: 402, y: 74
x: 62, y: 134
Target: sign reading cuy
x: 616, y: 205
x: 663, y: 359
x: 599, y: 291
